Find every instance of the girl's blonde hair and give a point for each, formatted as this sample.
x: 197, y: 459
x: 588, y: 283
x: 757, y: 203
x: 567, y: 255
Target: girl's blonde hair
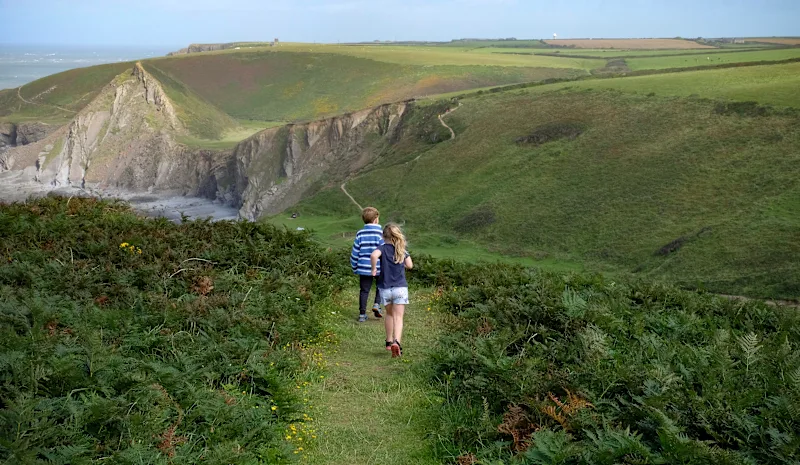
x: 392, y: 234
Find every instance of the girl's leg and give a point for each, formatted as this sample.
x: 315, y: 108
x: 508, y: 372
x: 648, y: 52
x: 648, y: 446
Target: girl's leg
x: 397, y: 316
x: 388, y: 322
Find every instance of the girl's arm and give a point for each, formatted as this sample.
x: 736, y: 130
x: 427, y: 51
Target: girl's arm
x: 408, y: 263
x: 373, y: 257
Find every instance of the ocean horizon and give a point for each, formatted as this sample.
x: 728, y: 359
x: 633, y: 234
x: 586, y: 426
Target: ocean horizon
x: 21, y: 64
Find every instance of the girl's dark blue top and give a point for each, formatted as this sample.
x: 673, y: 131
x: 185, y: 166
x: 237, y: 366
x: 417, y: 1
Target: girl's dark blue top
x: 392, y: 274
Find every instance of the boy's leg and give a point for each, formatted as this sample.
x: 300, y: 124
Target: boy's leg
x: 376, y: 307
x: 365, y: 283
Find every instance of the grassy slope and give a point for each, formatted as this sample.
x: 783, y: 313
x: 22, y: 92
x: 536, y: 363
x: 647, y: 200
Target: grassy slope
x: 71, y: 90
x: 648, y: 171
x: 283, y: 86
x: 201, y: 118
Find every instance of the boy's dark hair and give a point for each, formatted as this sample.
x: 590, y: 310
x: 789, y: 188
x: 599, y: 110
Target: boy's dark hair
x: 369, y: 214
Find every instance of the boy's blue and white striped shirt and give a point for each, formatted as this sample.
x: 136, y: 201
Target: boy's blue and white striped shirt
x: 367, y: 240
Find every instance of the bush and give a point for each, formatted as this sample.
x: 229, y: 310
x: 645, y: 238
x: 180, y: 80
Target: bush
x: 579, y: 369
x: 552, y: 131
x: 144, y: 341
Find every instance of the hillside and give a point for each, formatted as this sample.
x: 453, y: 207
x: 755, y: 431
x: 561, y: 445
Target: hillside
x: 298, y: 84
x: 671, y: 176
x: 686, y: 190
x: 58, y: 97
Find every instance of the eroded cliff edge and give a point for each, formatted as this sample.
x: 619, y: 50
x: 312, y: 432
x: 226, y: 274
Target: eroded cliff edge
x: 127, y: 139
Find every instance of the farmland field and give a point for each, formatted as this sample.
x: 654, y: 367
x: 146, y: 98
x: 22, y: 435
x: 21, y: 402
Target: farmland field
x: 627, y: 44
x: 777, y: 40
x: 772, y: 84
x: 667, y: 62
x: 457, y: 56
x: 608, y: 53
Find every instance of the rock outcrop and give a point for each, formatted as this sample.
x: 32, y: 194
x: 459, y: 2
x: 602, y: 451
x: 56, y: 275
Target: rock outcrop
x: 15, y: 135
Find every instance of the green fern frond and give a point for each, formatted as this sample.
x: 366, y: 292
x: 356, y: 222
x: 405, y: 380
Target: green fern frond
x: 574, y: 304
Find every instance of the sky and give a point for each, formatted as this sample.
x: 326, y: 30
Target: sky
x: 180, y: 22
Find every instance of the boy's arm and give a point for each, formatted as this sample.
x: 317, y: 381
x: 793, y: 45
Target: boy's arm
x: 354, y: 254
x: 373, y: 257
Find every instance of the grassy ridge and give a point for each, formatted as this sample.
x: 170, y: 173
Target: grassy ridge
x: 553, y: 369
x: 645, y: 173
x: 71, y: 91
x: 143, y: 341
x: 201, y: 118
x: 285, y: 86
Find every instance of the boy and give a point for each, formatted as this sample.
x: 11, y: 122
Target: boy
x: 367, y: 240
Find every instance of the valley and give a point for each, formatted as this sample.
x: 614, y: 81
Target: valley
x: 604, y: 232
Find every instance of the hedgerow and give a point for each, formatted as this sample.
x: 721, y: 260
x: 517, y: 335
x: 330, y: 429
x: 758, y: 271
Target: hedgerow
x: 541, y: 368
x: 143, y: 341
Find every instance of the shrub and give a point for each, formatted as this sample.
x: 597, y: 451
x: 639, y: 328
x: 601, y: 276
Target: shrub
x: 579, y: 369
x: 143, y: 341
x: 552, y: 131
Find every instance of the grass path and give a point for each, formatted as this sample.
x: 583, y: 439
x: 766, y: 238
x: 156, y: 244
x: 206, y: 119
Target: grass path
x: 370, y: 408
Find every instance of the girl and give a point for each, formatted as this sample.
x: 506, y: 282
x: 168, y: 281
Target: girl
x: 392, y: 284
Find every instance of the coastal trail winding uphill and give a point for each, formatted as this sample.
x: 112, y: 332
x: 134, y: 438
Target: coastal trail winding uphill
x: 344, y: 189
x: 30, y: 102
x: 368, y: 407
x: 452, y: 133
x: 452, y: 136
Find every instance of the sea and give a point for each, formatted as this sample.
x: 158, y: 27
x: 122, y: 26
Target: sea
x: 21, y: 64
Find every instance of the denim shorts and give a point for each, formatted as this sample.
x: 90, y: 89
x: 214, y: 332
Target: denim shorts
x: 394, y: 295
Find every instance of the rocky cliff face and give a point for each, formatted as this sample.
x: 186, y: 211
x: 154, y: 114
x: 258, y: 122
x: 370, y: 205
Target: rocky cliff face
x: 14, y: 135
x: 125, y: 139
x: 274, y: 169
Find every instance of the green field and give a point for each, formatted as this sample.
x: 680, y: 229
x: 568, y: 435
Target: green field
x: 339, y: 232
x: 773, y: 85
x: 648, y: 171
x: 636, y: 64
x: 495, y: 43
x: 437, y: 56
x: 605, y: 53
